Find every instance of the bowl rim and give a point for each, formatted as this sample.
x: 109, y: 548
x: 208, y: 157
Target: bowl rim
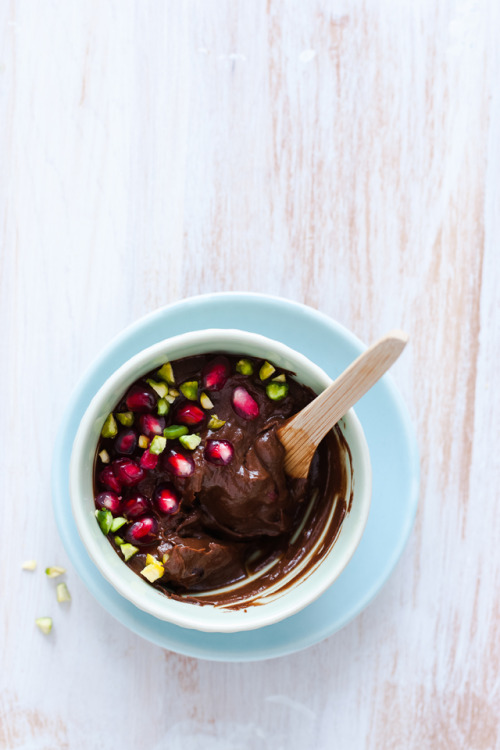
x: 184, y: 614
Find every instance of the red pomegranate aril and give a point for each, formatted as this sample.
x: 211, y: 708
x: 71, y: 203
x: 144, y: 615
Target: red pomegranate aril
x: 190, y: 414
x: 215, y: 374
x: 142, y: 532
x: 128, y: 472
x: 151, y: 425
x: 109, y: 501
x: 108, y: 478
x: 179, y: 464
x: 136, y: 505
x: 244, y: 404
x: 141, y: 398
x: 126, y: 442
x: 149, y: 460
x: 166, y: 499
x: 219, y: 452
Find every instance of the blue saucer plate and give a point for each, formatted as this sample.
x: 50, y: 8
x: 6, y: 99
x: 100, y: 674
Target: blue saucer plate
x: 393, y: 451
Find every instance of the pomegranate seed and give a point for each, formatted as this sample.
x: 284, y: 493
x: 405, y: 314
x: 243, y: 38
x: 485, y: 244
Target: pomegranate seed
x: 244, y: 404
x: 151, y: 425
x: 149, y: 460
x: 109, y: 501
x: 109, y: 479
x: 167, y: 499
x: 215, y: 374
x: 219, y: 452
x: 179, y: 464
x: 136, y: 505
x: 126, y: 442
x: 128, y: 472
x: 141, y: 398
x: 142, y: 532
x: 190, y: 414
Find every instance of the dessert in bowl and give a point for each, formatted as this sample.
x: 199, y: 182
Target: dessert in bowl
x: 179, y: 492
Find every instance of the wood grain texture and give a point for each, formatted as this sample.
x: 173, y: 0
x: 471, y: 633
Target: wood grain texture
x: 343, y: 154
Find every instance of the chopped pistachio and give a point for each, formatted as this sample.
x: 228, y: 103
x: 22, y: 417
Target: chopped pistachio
x: 170, y: 399
x: 45, y: 624
x: 174, y: 392
x: 175, y: 431
x: 55, y: 570
x: 158, y: 444
x: 280, y: 378
x: 117, y: 523
x: 104, y: 456
x: 150, y: 560
x: 205, y: 401
x: 190, y: 441
x: 244, y: 366
x: 215, y: 423
x: 109, y: 428
x: 128, y: 551
x: 62, y: 593
x: 119, y: 541
x: 160, y: 388
x: 153, y: 571
x: 143, y: 441
x: 29, y: 565
x: 163, y: 407
x: 166, y: 557
x: 166, y: 373
x: 266, y: 371
x: 189, y: 389
x: 126, y: 418
x: 277, y: 391
x: 104, y: 519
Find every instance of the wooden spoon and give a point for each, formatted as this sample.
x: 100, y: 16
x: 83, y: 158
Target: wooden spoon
x: 302, y: 433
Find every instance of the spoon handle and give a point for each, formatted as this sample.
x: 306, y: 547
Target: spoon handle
x: 303, y: 432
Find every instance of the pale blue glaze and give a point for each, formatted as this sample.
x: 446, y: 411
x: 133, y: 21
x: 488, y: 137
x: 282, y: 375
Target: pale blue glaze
x: 394, y: 457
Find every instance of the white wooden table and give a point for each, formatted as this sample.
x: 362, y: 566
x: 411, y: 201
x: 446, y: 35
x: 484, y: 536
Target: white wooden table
x: 345, y: 154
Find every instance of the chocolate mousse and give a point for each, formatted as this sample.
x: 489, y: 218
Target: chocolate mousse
x: 190, y: 485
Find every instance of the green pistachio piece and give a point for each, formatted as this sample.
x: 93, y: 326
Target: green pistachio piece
x: 104, y: 456
x: 166, y: 557
x: 119, y: 541
x: 215, y: 423
x: 190, y: 441
x: 175, y: 431
x: 153, y: 571
x: 117, y: 523
x: 29, y: 565
x: 126, y: 418
x: 277, y: 391
x: 205, y: 401
x: 62, y: 593
x: 170, y: 399
x: 166, y: 373
x: 109, y: 428
x: 163, y: 406
x: 266, y: 371
x: 128, y: 551
x: 143, y: 441
x: 244, y: 366
x: 280, y: 378
x: 174, y: 392
x: 45, y: 624
x: 104, y: 519
x: 56, y: 571
x: 160, y: 388
x: 189, y: 389
x: 158, y: 444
